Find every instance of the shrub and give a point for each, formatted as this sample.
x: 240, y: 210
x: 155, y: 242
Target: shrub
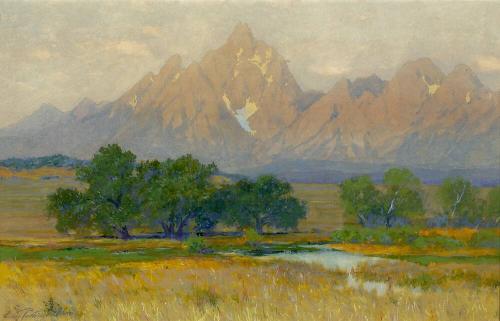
x: 375, y: 236
x: 196, y: 244
x: 437, y: 242
x: 437, y: 221
x: 204, y: 297
x: 402, y: 236
x: 485, y: 238
x: 420, y: 243
x: 347, y: 236
x: 424, y: 281
x: 54, y: 309
x: 252, y: 238
x: 447, y: 242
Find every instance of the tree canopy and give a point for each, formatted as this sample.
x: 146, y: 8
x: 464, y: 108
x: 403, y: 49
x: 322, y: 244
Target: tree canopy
x: 493, y: 204
x: 119, y: 194
x: 400, y: 199
x: 266, y: 202
x: 458, y: 199
x: 108, y: 203
x: 360, y: 198
x: 175, y: 191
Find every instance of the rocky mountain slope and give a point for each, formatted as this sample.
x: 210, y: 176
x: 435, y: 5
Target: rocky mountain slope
x: 241, y: 107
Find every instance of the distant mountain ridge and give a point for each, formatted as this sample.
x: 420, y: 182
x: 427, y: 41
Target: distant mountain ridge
x: 241, y: 107
x: 39, y: 162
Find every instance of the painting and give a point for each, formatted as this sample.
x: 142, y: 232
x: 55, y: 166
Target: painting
x: 249, y: 160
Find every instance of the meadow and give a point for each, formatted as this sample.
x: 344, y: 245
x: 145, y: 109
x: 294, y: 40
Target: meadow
x: 48, y: 276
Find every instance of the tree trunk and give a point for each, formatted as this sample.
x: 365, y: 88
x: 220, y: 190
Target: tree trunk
x: 168, y: 230
x: 457, y: 202
x: 123, y: 233
x: 180, y: 230
x: 361, y: 219
x: 258, y: 226
x: 388, y: 222
x: 184, y: 222
x: 390, y: 211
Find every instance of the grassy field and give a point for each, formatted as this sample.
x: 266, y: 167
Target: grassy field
x: 205, y: 288
x: 48, y: 276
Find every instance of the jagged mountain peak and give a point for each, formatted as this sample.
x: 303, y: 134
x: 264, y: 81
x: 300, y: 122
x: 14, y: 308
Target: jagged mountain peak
x: 342, y: 88
x: 372, y: 84
x: 463, y: 74
x: 41, y: 118
x: 241, y: 36
x: 84, y: 108
x: 422, y: 69
x: 172, y: 63
x: 47, y: 108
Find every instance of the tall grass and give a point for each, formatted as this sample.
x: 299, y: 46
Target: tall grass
x: 203, y: 288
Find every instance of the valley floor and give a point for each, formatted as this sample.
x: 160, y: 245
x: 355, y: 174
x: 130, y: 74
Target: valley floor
x: 46, y: 276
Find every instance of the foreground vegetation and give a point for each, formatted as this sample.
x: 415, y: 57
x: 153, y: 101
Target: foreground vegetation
x: 225, y: 288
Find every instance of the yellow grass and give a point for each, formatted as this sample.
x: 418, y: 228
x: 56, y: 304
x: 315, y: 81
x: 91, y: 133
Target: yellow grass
x: 38, y: 173
x: 22, y: 207
x: 462, y: 234
x: 377, y: 249
x: 223, y: 289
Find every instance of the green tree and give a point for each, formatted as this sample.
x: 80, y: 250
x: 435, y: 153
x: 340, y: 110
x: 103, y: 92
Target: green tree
x: 493, y: 205
x: 175, y: 192
x: 402, y: 197
x: 458, y: 198
x: 71, y: 208
x: 360, y: 198
x: 266, y: 202
x: 109, y: 203
x: 110, y: 177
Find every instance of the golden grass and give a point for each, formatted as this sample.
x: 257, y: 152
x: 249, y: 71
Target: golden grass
x: 462, y: 234
x: 377, y: 249
x: 233, y: 288
x: 22, y: 207
x: 35, y: 174
x: 325, y: 212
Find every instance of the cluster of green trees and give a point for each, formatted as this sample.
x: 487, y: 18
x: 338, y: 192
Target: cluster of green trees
x: 400, y: 199
x: 120, y: 194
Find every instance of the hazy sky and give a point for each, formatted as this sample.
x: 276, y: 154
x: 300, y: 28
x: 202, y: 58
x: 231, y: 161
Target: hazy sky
x: 59, y: 52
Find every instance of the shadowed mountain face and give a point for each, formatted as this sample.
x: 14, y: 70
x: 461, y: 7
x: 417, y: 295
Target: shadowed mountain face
x: 241, y: 107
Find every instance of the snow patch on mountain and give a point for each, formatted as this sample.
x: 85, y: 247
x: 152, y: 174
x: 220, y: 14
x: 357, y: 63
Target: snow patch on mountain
x: 262, y: 63
x: 227, y: 102
x: 432, y: 88
x: 238, y: 55
x: 133, y: 101
x: 242, y: 114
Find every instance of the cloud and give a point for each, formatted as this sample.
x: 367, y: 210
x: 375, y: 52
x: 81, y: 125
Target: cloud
x: 488, y: 63
x: 130, y: 48
x: 329, y: 69
x: 41, y: 54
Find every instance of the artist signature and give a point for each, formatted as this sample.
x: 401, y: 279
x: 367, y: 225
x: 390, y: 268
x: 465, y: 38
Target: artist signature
x: 19, y: 313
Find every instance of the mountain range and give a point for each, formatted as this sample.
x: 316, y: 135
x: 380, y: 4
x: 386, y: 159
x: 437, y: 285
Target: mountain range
x: 241, y: 107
